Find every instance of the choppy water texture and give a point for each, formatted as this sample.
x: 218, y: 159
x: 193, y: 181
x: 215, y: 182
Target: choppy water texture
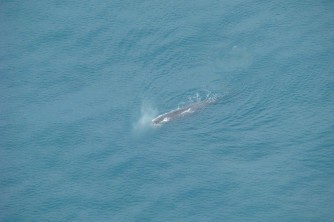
x: 81, y: 80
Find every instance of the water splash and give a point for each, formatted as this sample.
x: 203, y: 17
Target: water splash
x: 147, y: 113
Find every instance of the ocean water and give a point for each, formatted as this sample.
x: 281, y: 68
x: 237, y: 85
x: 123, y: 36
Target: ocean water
x: 80, y: 82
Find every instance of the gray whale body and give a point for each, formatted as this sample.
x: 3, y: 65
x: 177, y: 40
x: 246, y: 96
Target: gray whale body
x: 180, y: 112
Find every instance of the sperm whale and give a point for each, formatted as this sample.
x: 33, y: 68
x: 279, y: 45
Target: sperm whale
x: 180, y: 112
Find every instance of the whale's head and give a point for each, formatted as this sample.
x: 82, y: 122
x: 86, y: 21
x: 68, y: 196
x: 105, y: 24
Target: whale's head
x: 158, y: 121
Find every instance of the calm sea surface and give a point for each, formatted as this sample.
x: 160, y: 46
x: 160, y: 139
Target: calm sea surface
x: 80, y: 82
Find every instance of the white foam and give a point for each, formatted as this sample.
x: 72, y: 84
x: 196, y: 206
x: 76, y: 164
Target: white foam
x: 187, y: 111
x: 166, y: 119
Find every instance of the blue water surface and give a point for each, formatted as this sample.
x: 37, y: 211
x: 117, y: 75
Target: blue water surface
x: 80, y: 82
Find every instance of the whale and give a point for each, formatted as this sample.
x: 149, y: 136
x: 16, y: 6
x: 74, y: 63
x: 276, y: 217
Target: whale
x: 180, y: 112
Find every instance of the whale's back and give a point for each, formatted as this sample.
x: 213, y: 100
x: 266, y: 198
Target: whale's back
x: 179, y: 112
